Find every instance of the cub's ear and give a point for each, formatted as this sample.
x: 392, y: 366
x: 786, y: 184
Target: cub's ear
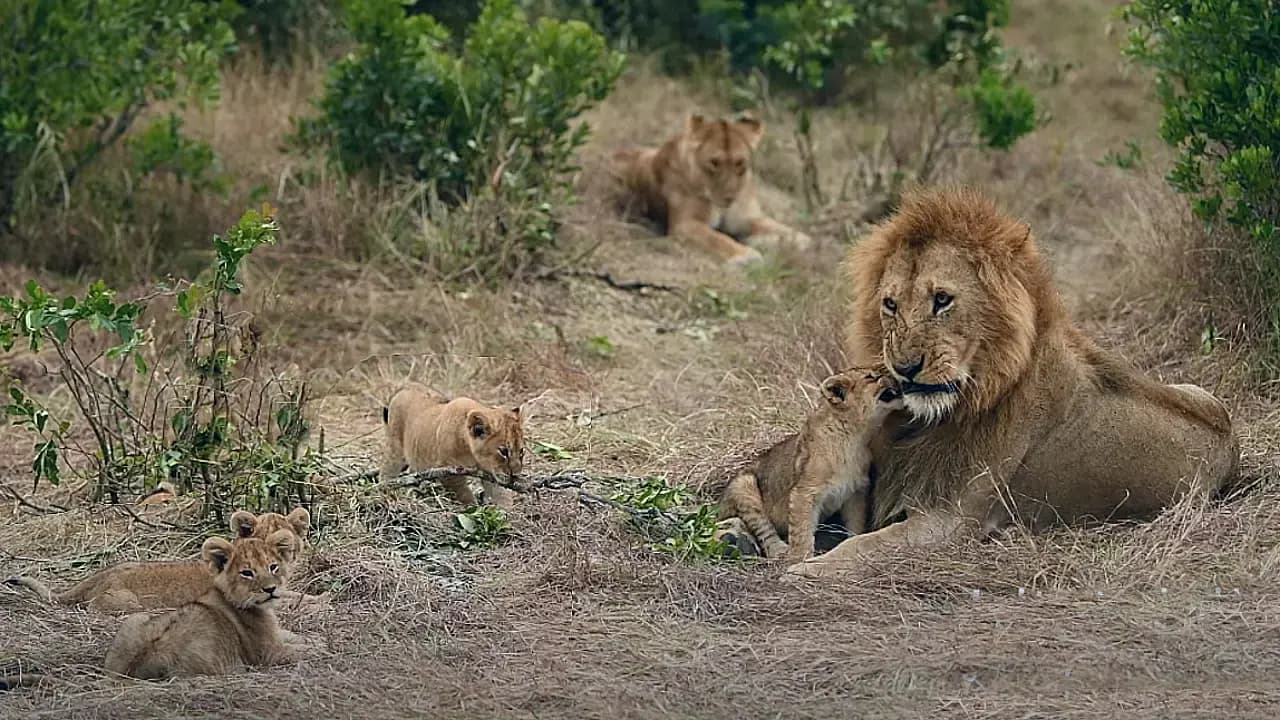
x: 242, y: 523
x: 695, y: 123
x: 836, y: 390
x: 285, y: 543
x: 217, y: 552
x: 300, y: 520
x: 516, y: 411
x: 752, y: 127
x: 477, y: 426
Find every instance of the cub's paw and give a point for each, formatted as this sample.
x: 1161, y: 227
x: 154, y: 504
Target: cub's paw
x: 735, y: 534
x: 746, y: 257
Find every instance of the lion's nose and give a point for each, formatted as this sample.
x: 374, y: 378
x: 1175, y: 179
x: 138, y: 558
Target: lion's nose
x: 911, y: 368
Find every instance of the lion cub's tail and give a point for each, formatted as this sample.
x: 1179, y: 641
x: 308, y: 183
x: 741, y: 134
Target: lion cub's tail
x: 743, y: 498
x: 33, y: 585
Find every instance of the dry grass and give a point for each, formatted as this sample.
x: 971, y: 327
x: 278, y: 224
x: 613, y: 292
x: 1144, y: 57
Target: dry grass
x: 574, y: 617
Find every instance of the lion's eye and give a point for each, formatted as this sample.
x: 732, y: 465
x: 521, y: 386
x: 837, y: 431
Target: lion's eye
x: 246, y: 573
x: 890, y: 306
x: 274, y: 568
x: 941, y: 301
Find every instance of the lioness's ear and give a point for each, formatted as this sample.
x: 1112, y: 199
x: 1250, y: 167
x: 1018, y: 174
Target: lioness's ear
x: 516, y: 410
x: 752, y: 127
x: 242, y: 523
x: 217, y: 552
x: 695, y: 123
x: 477, y: 425
x: 836, y: 390
x: 285, y: 543
x: 300, y: 520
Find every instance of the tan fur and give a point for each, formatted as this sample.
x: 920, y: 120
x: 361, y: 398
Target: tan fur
x: 156, y: 584
x: 1017, y: 415
x: 230, y: 627
x: 426, y: 430
x: 822, y: 469
x: 700, y: 184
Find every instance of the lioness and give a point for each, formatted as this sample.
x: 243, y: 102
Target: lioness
x: 228, y: 628
x: 823, y: 468
x: 154, y: 584
x: 426, y: 430
x: 699, y: 183
x: 1018, y: 416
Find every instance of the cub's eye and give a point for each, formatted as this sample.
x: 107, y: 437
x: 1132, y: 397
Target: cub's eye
x: 715, y: 162
x: 274, y: 568
x: 890, y: 306
x: 941, y: 301
x: 246, y: 573
x: 505, y: 453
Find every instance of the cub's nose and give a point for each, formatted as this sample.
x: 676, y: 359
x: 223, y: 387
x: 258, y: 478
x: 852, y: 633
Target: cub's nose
x: 269, y: 590
x: 911, y: 368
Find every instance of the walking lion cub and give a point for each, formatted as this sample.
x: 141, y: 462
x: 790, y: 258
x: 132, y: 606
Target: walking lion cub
x: 426, y: 430
x: 823, y: 468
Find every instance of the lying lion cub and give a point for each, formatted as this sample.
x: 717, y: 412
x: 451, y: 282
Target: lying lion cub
x: 155, y: 584
x: 699, y: 182
x: 822, y: 469
x: 228, y: 628
x: 426, y: 430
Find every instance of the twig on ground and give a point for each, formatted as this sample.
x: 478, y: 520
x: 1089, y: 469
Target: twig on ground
x: 591, y: 499
x: 49, y: 509
x: 153, y: 523
x: 636, y: 286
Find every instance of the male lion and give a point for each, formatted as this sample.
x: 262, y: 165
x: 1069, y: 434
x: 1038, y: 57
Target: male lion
x: 154, y: 584
x: 1016, y: 415
x: 818, y: 471
x: 228, y: 628
x: 426, y: 430
x: 699, y: 183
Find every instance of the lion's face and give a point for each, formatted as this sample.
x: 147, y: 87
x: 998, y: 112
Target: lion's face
x: 942, y: 295
x: 251, y: 571
x: 870, y: 392
x: 722, y: 154
x: 496, y: 436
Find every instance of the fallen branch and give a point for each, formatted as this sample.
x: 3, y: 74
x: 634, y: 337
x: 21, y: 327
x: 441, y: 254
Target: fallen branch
x: 590, y: 499
x: 636, y: 286
x: 50, y: 509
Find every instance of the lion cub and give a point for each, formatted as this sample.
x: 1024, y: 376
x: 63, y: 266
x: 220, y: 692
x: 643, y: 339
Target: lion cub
x: 228, y: 628
x: 822, y: 469
x: 699, y: 182
x: 149, y: 585
x: 426, y: 430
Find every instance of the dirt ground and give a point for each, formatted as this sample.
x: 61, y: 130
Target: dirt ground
x: 575, y: 618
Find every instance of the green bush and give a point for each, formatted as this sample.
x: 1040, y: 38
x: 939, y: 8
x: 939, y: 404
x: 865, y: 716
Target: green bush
x: 74, y: 76
x: 280, y: 27
x: 1217, y: 65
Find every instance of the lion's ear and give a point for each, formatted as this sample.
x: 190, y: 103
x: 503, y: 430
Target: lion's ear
x: 217, y: 552
x: 836, y: 390
x: 477, y: 426
x: 300, y: 520
x: 752, y: 127
x: 242, y: 523
x: 285, y: 543
x: 695, y: 123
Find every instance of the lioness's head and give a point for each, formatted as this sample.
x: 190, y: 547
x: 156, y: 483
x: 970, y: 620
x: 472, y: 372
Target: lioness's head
x: 871, y: 393
x: 948, y: 292
x: 721, y: 151
x: 245, y: 524
x: 252, y: 571
x: 496, y: 436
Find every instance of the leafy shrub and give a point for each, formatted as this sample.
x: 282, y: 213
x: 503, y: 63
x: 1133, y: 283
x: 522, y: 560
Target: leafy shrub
x: 75, y: 76
x: 281, y: 27
x: 207, y: 421
x: 495, y: 117
x: 675, y: 527
x: 482, y: 526
x: 1217, y: 67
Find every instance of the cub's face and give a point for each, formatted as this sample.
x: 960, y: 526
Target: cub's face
x: 865, y: 393
x: 932, y: 321
x: 496, y: 436
x: 251, y: 572
x: 722, y: 152
x: 245, y: 524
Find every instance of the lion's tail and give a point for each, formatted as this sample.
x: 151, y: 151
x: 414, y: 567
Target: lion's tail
x: 743, y: 498
x: 33, y: 585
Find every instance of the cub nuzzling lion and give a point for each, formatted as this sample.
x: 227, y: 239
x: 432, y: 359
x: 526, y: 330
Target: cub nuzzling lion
x: 824, y: 468
x: 426, y: 430
x: 700, y: 184
x: 153, y: 584
x: 230, y: 627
